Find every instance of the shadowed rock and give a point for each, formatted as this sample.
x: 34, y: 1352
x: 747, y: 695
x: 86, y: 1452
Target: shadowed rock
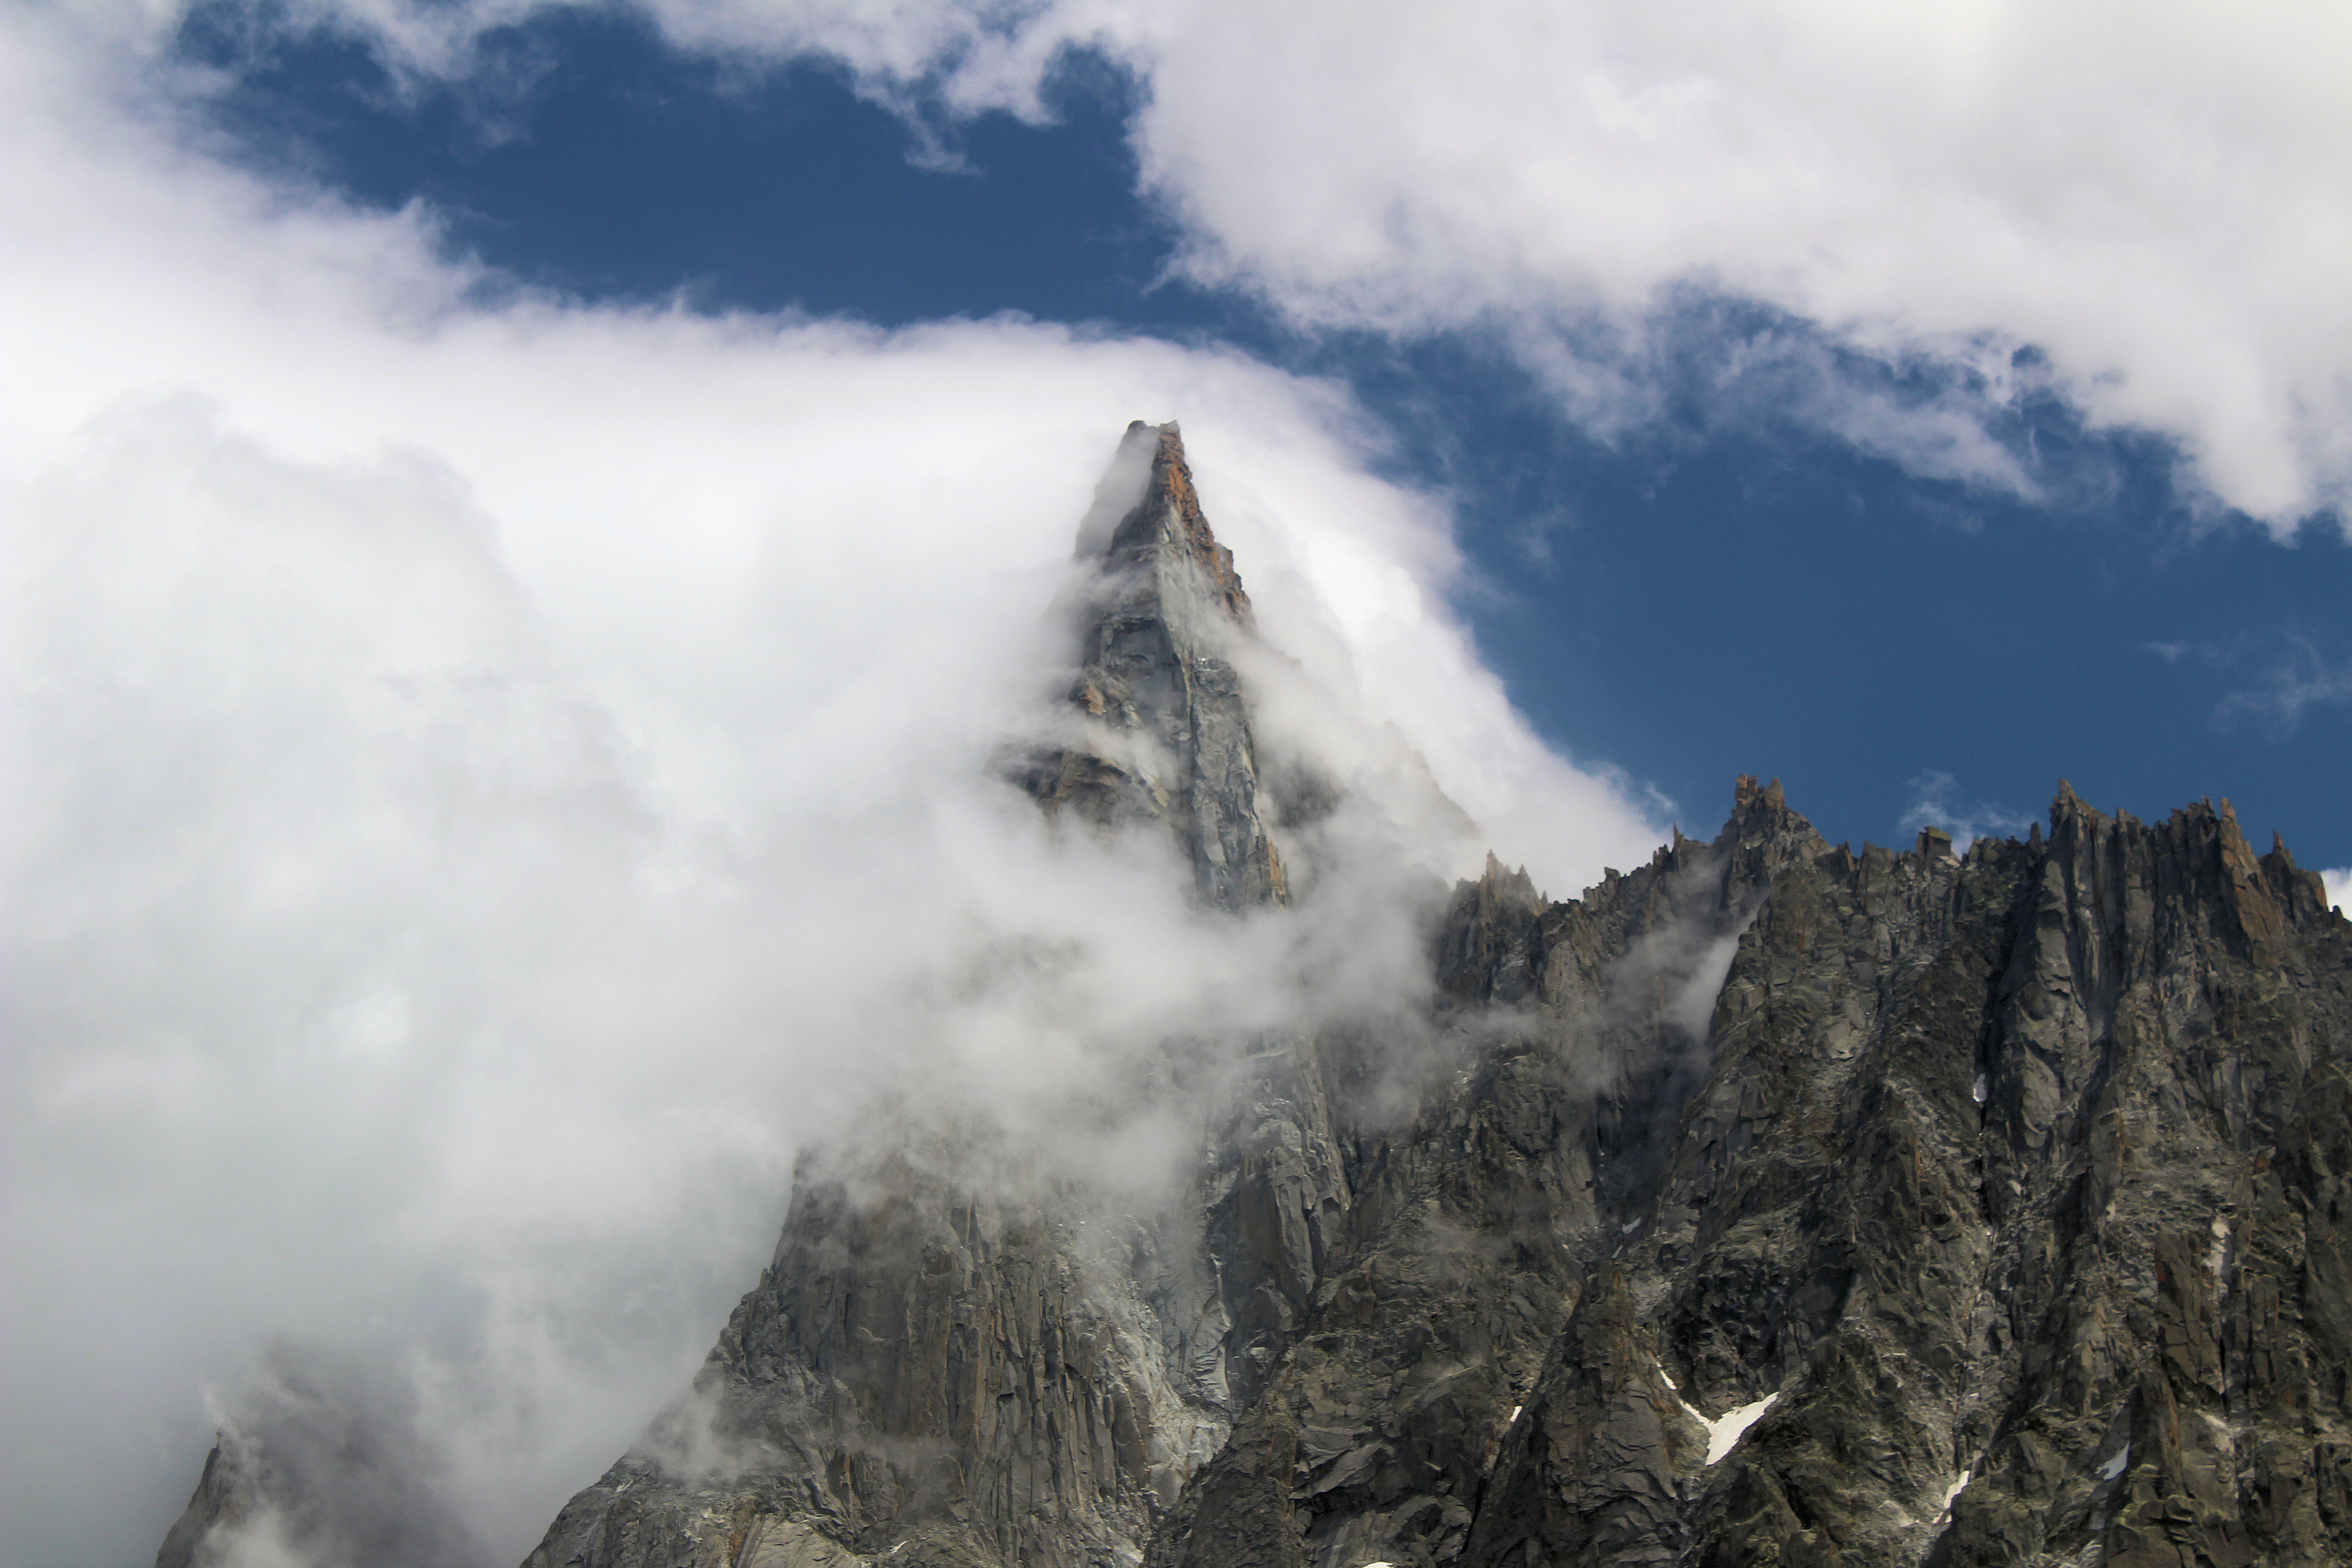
x: 1768, y: 1202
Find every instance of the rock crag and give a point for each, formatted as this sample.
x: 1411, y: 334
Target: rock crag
x: 1768, y: 1203
x: 1164, y: 735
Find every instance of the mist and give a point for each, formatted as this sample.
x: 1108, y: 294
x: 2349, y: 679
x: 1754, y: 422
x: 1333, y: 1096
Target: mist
x: 2339, y: 883
x: 490, y: 780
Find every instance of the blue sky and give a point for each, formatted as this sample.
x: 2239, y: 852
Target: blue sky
x: 1705, y: 589
x: 526, y: 525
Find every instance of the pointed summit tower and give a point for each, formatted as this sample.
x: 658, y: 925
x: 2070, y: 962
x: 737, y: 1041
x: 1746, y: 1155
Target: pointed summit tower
x: 944, y: 1366
x: 1164, y: 733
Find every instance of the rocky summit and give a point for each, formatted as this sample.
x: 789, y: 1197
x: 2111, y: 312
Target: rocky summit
x: 1768, y: 1204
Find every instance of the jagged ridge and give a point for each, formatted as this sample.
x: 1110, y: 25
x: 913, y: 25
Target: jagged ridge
x: 2014, y: 1181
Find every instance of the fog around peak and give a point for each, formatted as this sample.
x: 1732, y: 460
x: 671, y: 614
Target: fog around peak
x: 490, y: 779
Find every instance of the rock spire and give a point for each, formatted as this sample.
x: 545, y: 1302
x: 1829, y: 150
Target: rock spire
x: 1162, y: 736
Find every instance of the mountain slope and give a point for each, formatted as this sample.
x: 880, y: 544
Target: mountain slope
x: 1766, y: 1204
x: 2010, y: 1188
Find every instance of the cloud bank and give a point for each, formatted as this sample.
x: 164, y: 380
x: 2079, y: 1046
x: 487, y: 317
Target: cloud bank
x: 1910, y: 227
x: 487, y: 778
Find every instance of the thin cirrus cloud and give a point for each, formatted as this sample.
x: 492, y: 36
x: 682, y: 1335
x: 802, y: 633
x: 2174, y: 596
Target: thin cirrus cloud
x: 2274, y: 678
x: 488, y: 778
x: 1938, y: 801
x: 2304, y: 679
x: 2155, y: 200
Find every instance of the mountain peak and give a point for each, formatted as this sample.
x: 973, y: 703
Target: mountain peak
x: 1163, y: 735
x: 1166, y: 520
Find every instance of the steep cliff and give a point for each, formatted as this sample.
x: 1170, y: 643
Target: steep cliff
x: 323, y: 1465
x: 1164, y: 733
x: 1990, y: 1213
x: 2010, y: 1188
x: 1770, y: 1202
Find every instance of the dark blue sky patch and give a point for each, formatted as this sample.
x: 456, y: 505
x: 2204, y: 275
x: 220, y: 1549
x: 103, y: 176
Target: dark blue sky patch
x: 1810, y: 614
x: 1722, y: 589
x: 1706, y: 597
x: 585, y: 156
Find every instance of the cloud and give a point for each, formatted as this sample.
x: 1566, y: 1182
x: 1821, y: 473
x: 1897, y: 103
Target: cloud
x: 342, y: 1434
x: 489, y: 778
x: 2339, y: 887
x: 2154, y: 199
x: 2303, y: 679
x: 2280, y: 673
x: 1936, y: 802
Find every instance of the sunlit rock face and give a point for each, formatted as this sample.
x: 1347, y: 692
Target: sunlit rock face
x: 1768, y: 1203
x: 1162, y: 730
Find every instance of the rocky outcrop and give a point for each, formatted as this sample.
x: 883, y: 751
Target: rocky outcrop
x: 2012, y: 1188
x: 927, y: 1371
x: 951, y: 1363
x: 1480, y: 1205
x: 1163, y: 734
x: 1768, y: 1202
x: 1376, y: 1250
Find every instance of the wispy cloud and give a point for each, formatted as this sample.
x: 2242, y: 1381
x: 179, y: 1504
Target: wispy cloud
x: 1937, y: 800
x: 2304, y: 678
x: 2339, y: 887
x: 2273, y: 677
x: 1536, y: 541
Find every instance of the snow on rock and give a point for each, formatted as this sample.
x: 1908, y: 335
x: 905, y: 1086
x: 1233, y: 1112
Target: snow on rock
x: 1724, y: 1431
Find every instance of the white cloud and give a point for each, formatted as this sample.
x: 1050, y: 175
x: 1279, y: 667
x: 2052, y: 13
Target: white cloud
x: 2305, y: 679
x: 2158, y: 195
x: 1936, y: 802
x: 485, y: 781
x: 2339, y: 887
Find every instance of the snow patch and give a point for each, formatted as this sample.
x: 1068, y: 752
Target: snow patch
x: 1983, y: 1088
x: 1952, y: 1493
x: 1724, y: 1431
x: 2219, y: 1252
x: 2116, y: 1463
x: 1629, y: 1227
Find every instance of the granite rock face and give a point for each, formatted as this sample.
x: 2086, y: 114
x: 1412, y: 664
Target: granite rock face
x: 949, y: 1363
x: 1163, y: 731
x: 2013, y: 1187
x: 1770, y: 1202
